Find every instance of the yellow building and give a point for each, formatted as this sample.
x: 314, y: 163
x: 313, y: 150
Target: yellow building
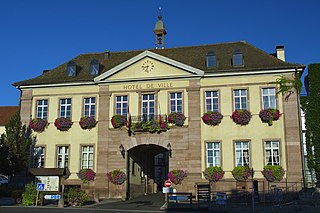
x: 151, y: 84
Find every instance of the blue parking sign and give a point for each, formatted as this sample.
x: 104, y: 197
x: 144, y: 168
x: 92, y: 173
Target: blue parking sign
x: 40, y: 186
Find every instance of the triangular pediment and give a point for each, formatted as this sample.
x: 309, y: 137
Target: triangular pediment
x: 148, y: 65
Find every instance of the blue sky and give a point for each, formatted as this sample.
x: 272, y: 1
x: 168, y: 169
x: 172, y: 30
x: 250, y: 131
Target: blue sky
x: 36, y: 35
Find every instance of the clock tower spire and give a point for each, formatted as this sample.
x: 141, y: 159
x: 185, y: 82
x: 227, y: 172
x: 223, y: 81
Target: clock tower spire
x: 160, y: 32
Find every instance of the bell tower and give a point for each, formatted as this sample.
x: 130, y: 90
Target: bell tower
x: 160, y: 32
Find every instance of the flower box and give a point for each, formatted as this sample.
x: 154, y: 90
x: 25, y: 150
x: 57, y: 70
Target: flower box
x: 86, y: 175
x: 241, y: 116
x: 38, y: 124
x: 87, y: 122
x: 273, y: 173
x: 176, y: 118
x: 212, y: 118
x: 269, y: 115
x: 150, y: 126
x: 241, y: 173
x: 118, y: 121
x: 63, y: 124
x: 176, y: 176
x: 116, y: 177
x: 213, y: 173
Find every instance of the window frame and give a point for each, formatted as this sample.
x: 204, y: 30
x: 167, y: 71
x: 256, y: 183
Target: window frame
x: 213, y: 153
x: 42, y: 159
x: 211, y: 102
x: 94, y: 68
x: 87, y: 166
x: 211, y: 58
x: 237, y: 55
x: 124, y: 110
x: 90, y: 104
x: 65, y: 105
x: 64, y: 154
x: 149, y: 115
x: 176, y: 99
x: 242, y: 152
x: 71, y: 69
x: 269, y: 97
x: 42, y: 109
x: 272, y: 149
x: 246, y: 96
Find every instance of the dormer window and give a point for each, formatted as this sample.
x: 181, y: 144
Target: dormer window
x: 94, y: 67
x: 72, y: 68
x: 211, y: 59
x: 237, y: 58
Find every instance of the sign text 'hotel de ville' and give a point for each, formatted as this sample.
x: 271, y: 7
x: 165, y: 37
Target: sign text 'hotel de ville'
x: 147, y: 86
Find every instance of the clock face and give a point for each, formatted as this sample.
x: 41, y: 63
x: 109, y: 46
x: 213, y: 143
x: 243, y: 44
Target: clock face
x: 147, y: 66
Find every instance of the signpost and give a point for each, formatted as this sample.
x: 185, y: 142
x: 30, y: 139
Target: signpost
x: 40, y: 187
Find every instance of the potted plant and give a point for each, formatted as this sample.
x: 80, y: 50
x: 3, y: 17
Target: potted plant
x: 150, y: 126
x: 118, y: 121
x: 241, y: 173
x: 273, y: 173
x: 63, y: 124
x: 269, y: 115
x: 38, y: 124
x: 176, y: 176
x: 241, y: 116
x: 212, y: 118
x: 86, y: 175
x: 116, y: 177
x: 176, y: 118
x: 213, y: 173
x: 87, y: 122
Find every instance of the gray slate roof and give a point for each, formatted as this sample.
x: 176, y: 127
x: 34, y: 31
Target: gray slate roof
x: 194, y: 56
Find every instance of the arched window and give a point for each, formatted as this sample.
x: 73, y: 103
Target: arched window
x: 237, y: 58
x: 211, y: 59
x: 94, y: 67
x: 72, y: 68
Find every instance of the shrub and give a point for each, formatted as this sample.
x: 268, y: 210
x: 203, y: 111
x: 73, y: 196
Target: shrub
x: 76, y: 197
x: 30, y: 195
x: 118, y: 121
x: 38, y: 124
x: 87, y: 122
x: 86, y: 175
x: 241, y: 173
x: 176, y: 176
x: 116, y: 177
x: 177, y: 118
x: 212, y: 118
x: 273, y: 173
x: 213, y: 173
x: 63, y: 124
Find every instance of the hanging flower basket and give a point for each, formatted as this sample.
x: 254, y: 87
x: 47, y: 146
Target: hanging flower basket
x: 176, y: 176
x: 213, y: 173
x: 241, y: 116
x: 241, y: 173
x: 212, y: 118
x: 116, y: 177
x: 273, y: 173
x: 118, y: 121
x: 38, y: 124
x: 176, y: 118
x: 269, y: 115
x: 87, y: 122
x: 63, y: 124
x: 86, y: 175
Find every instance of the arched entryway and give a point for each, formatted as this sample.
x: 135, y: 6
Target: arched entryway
x: 147, y: 169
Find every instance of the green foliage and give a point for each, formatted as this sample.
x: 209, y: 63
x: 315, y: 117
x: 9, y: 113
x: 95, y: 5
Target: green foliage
x: 76, y: 197
x: 288, y: 85
x: 273, y: 173
x: 30, y: 195
x: 15, y: 144
x: 241, y: 173
x: 310, y: 106
x: 213, y: 173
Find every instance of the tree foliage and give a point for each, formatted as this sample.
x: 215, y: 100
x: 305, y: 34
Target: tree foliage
x: 311, y: 106
x: 288, y: 85
x: 15, y: 146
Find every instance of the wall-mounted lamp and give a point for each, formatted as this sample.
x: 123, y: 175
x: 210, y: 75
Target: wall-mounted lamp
x: 122, y: 150
x: 169, y: 149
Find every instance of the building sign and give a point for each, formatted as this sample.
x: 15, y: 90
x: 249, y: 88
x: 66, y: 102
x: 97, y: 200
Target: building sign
x: 51, y: 183
x: 148, y: 86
